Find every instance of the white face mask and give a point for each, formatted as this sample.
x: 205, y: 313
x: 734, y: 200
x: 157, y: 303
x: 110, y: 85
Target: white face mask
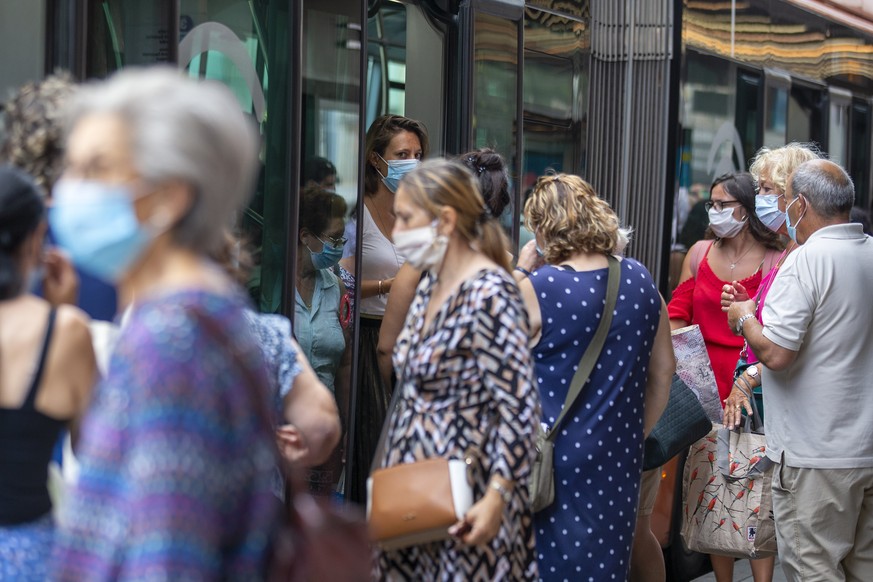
x: 723, y: 223
x: 423, y: 248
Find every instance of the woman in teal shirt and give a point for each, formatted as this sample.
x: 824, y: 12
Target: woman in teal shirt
x: 319, y: 301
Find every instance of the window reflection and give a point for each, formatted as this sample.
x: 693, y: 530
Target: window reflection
x: 331, y: 140
x: 776, y: 123
x: 122, y: 33
x: 495, y: 118
x: 555, y: 97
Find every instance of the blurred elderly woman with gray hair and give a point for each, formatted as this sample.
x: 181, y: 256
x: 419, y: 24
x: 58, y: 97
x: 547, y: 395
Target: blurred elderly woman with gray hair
x: 176, y: 454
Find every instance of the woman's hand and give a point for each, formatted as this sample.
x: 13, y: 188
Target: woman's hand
x: 528, y: 258
x: 60, y: 284
x: 482, y: 522
x: 733, y: 407
x: 733, y: 293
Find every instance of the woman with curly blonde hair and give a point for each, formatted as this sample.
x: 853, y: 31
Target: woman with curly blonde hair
x: 598, y: 452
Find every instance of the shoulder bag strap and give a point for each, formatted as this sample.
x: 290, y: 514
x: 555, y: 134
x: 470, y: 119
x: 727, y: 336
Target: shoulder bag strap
x: 592, y: 352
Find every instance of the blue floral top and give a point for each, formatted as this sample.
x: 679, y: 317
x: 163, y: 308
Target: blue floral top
x: 273, y: 333
x: 176, y: 463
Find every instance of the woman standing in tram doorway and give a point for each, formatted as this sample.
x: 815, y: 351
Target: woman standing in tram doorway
x: 47, y: 369
x: 394, y: 146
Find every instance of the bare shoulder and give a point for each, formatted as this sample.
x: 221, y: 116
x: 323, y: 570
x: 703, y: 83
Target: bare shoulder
x: 72, y: 322
x: 72, y: 332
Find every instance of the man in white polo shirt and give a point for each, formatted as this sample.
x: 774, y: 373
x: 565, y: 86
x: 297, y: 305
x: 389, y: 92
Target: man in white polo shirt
x: 817, y: 346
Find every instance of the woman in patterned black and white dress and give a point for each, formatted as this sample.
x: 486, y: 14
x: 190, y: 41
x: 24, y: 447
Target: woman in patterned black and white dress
x: 466, y: 375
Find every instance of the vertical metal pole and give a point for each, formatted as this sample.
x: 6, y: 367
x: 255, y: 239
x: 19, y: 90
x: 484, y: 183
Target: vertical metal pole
x: 733, y: 24
x: 519, y: 142
x: 351, y: 430
x: 630, y: 44
x: 295, y: 143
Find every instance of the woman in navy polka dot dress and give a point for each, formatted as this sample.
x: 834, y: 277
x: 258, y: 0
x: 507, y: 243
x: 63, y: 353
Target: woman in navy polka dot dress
x: 586, y: 534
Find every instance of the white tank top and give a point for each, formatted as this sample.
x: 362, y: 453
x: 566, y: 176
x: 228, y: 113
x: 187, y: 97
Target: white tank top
x: 380, y: 260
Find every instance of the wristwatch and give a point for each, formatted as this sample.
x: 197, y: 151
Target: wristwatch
x: 505, y: 493
x: 742, y: 320
x: 752, y: 371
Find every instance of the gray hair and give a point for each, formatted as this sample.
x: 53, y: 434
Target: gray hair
x: 187, y: 130
x: 829, y: 190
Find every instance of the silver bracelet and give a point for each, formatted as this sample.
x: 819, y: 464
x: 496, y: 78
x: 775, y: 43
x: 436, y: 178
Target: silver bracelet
x: 505, y: 493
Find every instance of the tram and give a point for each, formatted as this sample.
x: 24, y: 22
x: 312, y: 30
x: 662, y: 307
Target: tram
x: 646, y: 99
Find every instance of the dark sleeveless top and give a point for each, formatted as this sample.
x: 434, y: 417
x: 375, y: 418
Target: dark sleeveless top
x: 27, y: 438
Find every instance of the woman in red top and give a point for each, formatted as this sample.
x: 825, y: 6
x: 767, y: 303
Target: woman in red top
x: 743, y: 250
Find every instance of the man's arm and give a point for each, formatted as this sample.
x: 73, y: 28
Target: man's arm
x: 769, y: 353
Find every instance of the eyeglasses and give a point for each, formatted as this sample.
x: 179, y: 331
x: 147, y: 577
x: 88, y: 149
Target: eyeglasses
x: 718, y: 205
x: 336, y: 243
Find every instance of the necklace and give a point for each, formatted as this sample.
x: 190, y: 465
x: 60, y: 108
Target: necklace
x: 733, y: 263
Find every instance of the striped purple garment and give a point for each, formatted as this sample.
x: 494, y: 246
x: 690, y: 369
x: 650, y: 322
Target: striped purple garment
x: 176, y: 464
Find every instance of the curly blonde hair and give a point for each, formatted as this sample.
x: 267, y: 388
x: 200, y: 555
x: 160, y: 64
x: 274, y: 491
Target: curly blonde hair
x: 571, y: 218
x: 778, y: 163
x: 35, y: 128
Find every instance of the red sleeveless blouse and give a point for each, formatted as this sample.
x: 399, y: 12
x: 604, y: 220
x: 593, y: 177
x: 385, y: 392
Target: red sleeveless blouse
x: 698, y: 301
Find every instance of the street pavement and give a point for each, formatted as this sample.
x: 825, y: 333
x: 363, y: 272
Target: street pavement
x: 743, y: 573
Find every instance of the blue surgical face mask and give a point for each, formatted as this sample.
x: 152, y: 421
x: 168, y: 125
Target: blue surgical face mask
x: 792, y: 229
x: 328, y: 257
x: 767, y: 209
x: 396, y: 170
x: 97, y: 224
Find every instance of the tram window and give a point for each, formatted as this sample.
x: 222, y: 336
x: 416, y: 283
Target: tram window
x: 776, y: 120
x: 123, y: 33
x: 708, y: 98
x: 859, y: 152
x: 838, y: 125
x: 226, y: 42
x: 748, y: 113
x: 405, y: 68
x: 805, y: 115
x: 710, y: 143
x: 556, y: 72
x: 495, y: 82
x: 386, y: 54
x: 21, y: 57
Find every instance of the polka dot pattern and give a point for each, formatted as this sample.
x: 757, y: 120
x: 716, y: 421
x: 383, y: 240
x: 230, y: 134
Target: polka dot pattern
x: 587, y: 532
